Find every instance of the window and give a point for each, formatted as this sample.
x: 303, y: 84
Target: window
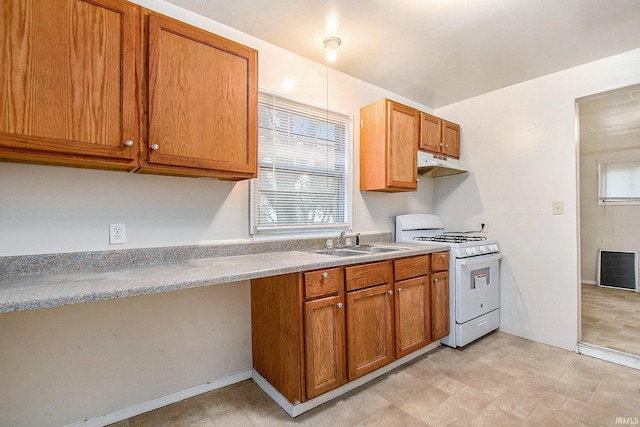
x: 304, y: 167
x: 619, y: 182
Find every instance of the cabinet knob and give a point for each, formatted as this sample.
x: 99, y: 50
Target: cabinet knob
x: 446, y: 146
x: 154, y: 147
x: 128, y: 143
x: 325, y: 275
x: 443, y: 256
x: 435, y: 280
x: 399, y: 289
x: 339, y: 305
x: 390, y: 292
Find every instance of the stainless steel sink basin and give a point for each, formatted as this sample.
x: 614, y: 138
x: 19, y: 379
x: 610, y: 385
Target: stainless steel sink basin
x: 342, y: 252
x: 360, y: 250
x: 382, y: 249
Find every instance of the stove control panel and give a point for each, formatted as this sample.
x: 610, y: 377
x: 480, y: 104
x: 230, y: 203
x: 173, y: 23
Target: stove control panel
x: 481, y: 249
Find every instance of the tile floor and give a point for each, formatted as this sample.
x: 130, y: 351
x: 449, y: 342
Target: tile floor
x: 611, y: 318
x: 500, y: 380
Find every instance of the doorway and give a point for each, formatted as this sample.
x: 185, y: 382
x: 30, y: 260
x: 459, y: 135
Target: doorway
x: 609, y: 125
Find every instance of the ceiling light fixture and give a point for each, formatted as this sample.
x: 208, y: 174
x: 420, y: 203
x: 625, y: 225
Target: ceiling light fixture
x: 331, y: 44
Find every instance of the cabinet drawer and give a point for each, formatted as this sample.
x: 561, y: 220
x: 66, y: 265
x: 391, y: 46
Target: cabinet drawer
x: 366, y: 275
x: 440, y: 261
x: 406, y: 268
x: 323, y: 282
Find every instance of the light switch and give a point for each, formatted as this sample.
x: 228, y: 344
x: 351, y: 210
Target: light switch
x: 557, y: 207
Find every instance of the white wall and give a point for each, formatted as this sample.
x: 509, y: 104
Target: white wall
x: 520, y: 143
x: 48, y: 209
x: 64, y: 365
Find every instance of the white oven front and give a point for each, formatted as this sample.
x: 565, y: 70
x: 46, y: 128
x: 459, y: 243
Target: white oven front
x: 475, y: 298
x: 477, y: 286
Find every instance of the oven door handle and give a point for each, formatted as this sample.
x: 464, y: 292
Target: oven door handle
x: 480, y: 259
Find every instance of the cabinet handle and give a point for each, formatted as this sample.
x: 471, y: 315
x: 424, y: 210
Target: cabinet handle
x: 128, y: 143
x: 399, y: 289
x: 325, y: 275
x: 339, y: 305
x: 154, y: 147
x: 390, y: 292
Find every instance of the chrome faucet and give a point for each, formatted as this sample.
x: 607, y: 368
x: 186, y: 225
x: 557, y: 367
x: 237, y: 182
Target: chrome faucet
x: 341, y: 239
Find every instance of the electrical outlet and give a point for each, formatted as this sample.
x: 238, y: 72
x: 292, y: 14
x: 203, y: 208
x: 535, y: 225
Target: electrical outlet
x: 483, y: 225
x: 117, y: 234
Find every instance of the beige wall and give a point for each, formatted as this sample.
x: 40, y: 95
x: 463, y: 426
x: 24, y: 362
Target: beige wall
x: 604, y: 227
x: 67, y: 364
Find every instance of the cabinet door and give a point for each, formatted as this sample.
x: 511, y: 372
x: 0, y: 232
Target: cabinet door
x: 68, y: 82
x: 450, y: 139
x: 402, y: 146
x: 439, y: 305
x: 430, y: 133
x: 202, y: 101
x: 413, y: 317
x: 324, y: 321
x: 369, y: 329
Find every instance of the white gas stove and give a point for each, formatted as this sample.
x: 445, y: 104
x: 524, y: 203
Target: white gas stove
x: 474, y: 275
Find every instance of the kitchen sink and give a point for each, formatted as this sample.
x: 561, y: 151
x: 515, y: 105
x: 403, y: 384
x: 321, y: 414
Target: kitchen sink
x: 359, y: 250
x: 381, y: 249
x: 342, y: 252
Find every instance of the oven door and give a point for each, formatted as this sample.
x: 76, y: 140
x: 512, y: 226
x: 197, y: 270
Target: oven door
x: 477, y: 286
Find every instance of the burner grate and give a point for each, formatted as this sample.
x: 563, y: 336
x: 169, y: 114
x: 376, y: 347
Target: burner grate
x: 450, y: 238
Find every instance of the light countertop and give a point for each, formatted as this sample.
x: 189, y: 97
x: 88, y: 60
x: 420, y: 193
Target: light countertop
x: 20, y: 292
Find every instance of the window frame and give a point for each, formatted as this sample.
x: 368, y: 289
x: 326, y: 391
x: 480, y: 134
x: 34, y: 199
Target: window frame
x: 603, y: 199
x: 346, y: 186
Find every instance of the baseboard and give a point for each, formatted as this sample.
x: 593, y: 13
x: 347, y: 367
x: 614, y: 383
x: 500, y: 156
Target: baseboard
x: 124, y: 414
x: 589, y: 282
x: 300, y: 408
x: 614, y: 356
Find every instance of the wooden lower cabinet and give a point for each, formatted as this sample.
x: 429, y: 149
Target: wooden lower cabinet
x: 439, y: 305
x: 315, y: 331
x: 369, y: 329
x: 324, y: 349
x: 412, y: 314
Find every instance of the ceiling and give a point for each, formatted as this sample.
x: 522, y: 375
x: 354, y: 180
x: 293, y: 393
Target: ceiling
x: 610, y: 121
x: 437, y: 52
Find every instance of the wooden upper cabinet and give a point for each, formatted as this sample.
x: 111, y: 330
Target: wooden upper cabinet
x: 68, y: 90
x: 389, y: 138
x: 202, y: 103
x: 430, y: 133
x: 450, y: 139
x: 439, y: 136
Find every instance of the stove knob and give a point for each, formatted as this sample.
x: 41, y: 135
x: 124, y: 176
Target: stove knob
x: 483, y: 249
x: 473, y: 251
x: 468, y: 251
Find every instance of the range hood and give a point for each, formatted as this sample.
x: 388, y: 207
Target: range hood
x: 434, y: 165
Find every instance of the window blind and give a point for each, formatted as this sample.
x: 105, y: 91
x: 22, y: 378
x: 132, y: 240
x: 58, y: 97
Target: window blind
x: 304, y: 167
x: 619, y: 182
